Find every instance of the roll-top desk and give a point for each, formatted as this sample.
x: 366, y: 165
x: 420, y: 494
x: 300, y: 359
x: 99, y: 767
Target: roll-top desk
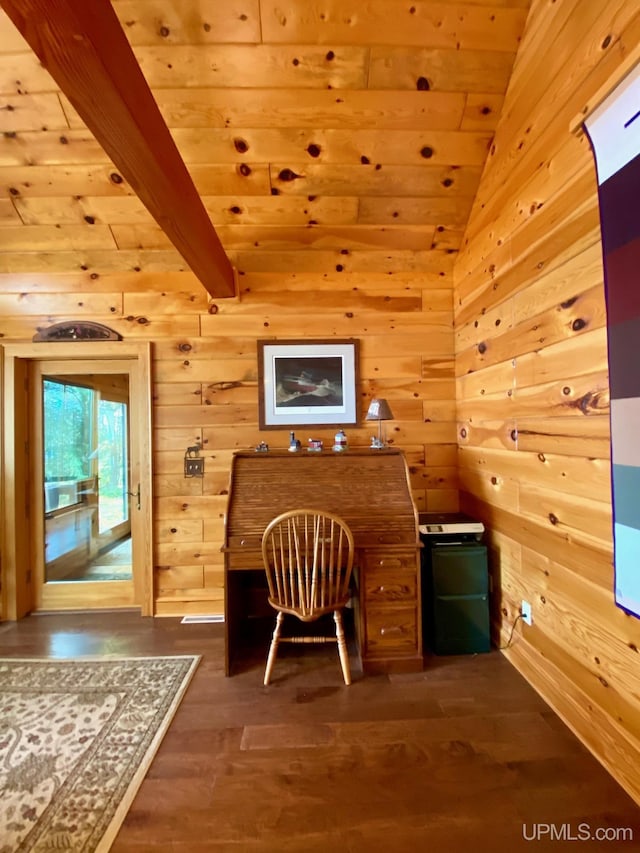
x: 370, y: 489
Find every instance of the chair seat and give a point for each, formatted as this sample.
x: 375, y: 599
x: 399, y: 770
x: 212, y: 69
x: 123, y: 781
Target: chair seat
x: 317, y: 613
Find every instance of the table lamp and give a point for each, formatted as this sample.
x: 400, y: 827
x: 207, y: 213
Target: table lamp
x: 379, y: 410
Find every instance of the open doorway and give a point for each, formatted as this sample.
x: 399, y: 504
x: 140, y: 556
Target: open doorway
x: 77, y: 477
x: 86, y: 477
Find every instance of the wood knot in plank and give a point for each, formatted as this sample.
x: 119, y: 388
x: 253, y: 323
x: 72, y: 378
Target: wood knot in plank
x: 590, y: 402
x: 288, y: 175
x: 227, y: 385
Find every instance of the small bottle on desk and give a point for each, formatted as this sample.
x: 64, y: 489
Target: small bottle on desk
x: 340, y: 441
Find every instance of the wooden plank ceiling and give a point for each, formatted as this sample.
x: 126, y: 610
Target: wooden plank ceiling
x: 338, y: 134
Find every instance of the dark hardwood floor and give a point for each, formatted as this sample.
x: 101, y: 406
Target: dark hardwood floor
x: 462, y: 756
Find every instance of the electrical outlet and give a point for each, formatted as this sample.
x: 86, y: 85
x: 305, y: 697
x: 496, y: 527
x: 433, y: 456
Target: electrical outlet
x: 525, y: 612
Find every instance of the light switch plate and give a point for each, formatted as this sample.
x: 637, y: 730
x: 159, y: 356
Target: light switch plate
x: 194, y: 467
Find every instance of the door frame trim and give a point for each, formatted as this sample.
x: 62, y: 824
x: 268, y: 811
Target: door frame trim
x: 17, y: 586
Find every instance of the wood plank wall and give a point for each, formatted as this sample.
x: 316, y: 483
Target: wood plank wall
x: 531, y: 367
x: 206, y: 390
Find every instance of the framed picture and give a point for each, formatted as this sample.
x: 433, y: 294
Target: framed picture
x: 307, y: 383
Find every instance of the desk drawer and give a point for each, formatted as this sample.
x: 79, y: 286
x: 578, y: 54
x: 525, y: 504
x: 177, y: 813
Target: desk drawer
x: 390, y: 586
x: 248, y: 542
x: 249, y: 559
x: 387, y: 559
x: 391, y: 630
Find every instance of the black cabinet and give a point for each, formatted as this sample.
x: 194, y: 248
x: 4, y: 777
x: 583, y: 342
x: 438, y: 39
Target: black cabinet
x: 455, y: 605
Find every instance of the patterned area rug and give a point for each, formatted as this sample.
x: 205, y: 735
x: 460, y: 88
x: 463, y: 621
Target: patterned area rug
x: 76, y: 739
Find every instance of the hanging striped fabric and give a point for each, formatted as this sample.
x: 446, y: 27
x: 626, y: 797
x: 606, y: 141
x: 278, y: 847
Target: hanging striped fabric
x: 614, y: 131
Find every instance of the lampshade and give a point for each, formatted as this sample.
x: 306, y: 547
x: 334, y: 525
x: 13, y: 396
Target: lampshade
x: 379, y: 410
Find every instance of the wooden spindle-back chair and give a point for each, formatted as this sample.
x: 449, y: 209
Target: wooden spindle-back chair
x: 308, y: 559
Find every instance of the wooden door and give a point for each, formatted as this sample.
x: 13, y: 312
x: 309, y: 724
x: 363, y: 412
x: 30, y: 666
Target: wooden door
x: 38, y: 575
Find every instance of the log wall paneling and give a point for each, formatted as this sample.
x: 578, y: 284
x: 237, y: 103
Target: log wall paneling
x: 532, y: 383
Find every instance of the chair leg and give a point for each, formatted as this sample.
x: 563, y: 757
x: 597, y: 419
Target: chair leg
x: 342, y: 647
x: 273, y: 648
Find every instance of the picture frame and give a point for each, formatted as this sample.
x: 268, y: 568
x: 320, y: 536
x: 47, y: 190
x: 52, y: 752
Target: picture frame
x: 304, y: 383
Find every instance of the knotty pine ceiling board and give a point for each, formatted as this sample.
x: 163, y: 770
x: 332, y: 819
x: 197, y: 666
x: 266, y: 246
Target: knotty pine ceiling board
x: 87, y: 54
x: 342, y: 135
x: 356, y: 109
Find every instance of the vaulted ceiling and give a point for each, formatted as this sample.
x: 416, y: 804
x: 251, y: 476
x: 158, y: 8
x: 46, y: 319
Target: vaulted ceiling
x: 320, y: 135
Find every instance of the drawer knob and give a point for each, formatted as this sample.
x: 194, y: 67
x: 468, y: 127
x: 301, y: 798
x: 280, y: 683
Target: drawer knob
x: 393, y: 629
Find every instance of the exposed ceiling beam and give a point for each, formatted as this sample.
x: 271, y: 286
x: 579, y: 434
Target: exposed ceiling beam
x: 83, y: 47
